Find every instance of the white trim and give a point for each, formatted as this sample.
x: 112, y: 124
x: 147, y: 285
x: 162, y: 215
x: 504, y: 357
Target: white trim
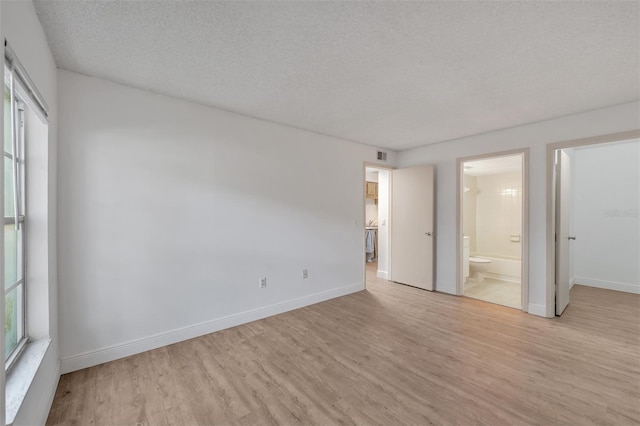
x: 539, y: 310
x: 46, y: 408
x: 382, y: 274
x: 111, y: 353
x: 609, y: 285
x: 572, y: 282
x: 29, y: 91
x: 20, y: 378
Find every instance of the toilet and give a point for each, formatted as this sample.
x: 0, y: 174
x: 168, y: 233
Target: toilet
x: 477, y: 267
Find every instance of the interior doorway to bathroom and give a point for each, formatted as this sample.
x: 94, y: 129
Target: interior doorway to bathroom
x: 492, y: 248
x: 376, y: 230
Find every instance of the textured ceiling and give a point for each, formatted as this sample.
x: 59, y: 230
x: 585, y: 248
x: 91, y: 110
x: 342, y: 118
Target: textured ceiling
x: 389, y: 74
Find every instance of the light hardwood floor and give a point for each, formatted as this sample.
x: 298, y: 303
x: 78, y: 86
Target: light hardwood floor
x: 389, y: 355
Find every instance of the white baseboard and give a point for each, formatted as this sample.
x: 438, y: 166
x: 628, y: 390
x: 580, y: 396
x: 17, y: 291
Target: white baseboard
x: 572, y: 281
x: 382, y: 274
x: 609, y: 285
x: 539, y: 310
x: 111, y: 353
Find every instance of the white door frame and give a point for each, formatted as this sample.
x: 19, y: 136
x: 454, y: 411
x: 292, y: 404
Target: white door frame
x: 551, y: 210
x: 524, y: 242
x: 365, y: 165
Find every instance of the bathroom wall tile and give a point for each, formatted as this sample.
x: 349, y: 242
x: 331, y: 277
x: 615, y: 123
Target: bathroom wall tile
x: 498, y: 214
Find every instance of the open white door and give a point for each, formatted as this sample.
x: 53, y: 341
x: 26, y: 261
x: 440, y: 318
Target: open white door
x: 563, y: 187
x: 412, y: 226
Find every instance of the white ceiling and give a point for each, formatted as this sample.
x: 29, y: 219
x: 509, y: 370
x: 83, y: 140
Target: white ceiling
x: 494, y: 166
x: 389, y: 74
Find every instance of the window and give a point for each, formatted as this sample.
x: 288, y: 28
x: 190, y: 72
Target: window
x: 14, y: 222
x: 25, y: 242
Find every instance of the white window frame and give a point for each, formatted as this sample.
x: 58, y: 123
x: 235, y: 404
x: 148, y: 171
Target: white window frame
x: 17, y: 157
x: 23, y: 95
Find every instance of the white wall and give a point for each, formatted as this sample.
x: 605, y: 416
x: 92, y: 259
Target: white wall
x: 371, y: 175
x: 606, y: 190
x: 469, y: 210
x: 498, y: 215
x: 170, y: 212
x: 370, y: 205
x: 371, y: 211
x: 21, y: 28
x: 535, y: 136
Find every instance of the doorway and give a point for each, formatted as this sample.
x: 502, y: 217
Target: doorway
x: 398, y: 238
x: 492, y: 247
x: 377, y: 185
x: 596, y: 220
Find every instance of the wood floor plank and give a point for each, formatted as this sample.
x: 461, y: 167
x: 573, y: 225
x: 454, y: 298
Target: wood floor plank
x: 389, y: 355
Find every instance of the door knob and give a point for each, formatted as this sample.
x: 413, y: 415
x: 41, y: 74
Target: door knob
x: 428, y: 234
x: 572, y: 238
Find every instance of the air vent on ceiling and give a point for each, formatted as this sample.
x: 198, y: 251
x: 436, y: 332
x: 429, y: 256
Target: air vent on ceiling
x: 382, y: 156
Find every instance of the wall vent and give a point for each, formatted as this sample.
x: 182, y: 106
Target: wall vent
x: 382, y: 156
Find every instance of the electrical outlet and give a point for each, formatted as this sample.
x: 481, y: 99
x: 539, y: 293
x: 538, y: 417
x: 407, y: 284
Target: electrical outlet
x: 305, y: 274
x: 263, y: 282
